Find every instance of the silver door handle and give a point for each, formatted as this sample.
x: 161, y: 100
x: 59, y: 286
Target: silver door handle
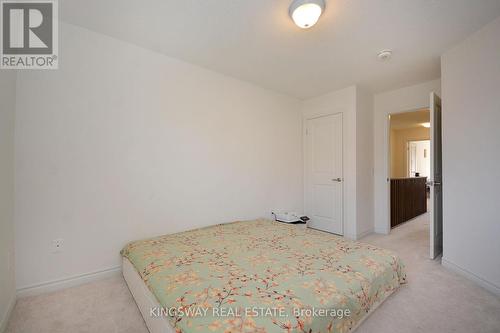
x: 339, y: 180
x: 433, y: 183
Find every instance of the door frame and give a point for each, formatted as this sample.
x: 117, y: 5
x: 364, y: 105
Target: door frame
x: 388, y: 161
x: 305, y: 119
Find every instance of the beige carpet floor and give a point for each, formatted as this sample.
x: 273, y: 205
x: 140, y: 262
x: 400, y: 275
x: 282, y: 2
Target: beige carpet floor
x: 434, y: 300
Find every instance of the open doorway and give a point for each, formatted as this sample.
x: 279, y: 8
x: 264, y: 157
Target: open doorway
x: 414, y: 166
x: 409, y: 153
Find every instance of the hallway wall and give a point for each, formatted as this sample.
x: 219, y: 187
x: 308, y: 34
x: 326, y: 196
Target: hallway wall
x: 399, y: 141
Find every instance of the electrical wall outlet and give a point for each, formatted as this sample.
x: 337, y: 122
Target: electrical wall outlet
x: 57, y: 245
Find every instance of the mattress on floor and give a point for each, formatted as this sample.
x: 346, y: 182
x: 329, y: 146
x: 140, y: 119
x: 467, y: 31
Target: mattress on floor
x: 264, y: 276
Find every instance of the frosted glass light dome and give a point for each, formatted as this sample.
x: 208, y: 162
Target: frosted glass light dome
x: 306, y: 13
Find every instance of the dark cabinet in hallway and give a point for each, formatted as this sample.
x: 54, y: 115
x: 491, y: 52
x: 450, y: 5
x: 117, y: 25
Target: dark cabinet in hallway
x: 408, y: 199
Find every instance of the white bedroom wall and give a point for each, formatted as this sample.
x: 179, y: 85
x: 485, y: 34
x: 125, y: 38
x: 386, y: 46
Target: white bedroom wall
x: 356, y: 107
x: 471, y: 104
x: 7, y: 116
x: 405, y: 99
x: 122, y: 143
x: 364, y: 163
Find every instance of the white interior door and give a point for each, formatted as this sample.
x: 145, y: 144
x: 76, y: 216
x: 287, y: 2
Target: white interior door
x: 323, y: 173
x: 435, y: 181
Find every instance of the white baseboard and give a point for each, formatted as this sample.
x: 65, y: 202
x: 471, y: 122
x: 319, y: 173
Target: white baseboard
x: 382, y: 231
x: 6, y: 316
x: 356, y: 237
x: 67, y: 282
x: 350, y: 236
x: 364, y: 234
x: 471, y: 276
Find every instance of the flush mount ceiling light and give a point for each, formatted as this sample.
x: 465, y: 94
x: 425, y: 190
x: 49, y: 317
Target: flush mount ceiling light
x: 305, y: 13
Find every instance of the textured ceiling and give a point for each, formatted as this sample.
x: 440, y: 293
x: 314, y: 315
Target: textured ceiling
x: 256, y: 41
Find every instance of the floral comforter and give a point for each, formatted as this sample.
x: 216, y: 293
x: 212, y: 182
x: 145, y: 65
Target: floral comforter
x: 264, y: 276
